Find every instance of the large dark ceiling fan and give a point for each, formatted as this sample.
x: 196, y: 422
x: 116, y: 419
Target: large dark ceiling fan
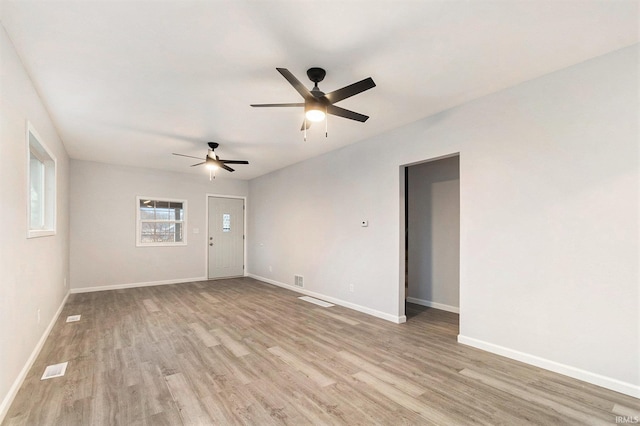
x: 316, y: 103
x: 212, y: 161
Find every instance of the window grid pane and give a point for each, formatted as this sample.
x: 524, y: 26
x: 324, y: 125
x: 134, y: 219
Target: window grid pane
x: 161, y: 232
x: 161, y: 222
x: 37, y: 173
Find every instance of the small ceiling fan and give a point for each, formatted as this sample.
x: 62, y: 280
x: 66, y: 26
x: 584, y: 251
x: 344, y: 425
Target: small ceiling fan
x: 212, y: 161
x: 316, y: 103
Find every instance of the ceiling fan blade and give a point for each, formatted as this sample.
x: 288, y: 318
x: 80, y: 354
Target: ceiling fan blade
x: 300, y: 104
x: 234, y: 161
x: 350, y: 90
x: 341, y: 112
x: 304, y: 92
x: 190, y: 156
x: 193, y: 165
x: 306, y: 123
x: 226, y: 168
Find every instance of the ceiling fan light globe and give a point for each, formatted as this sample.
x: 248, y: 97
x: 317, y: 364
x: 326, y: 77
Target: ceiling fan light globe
x: 315, y: 115
x: 211, y: 164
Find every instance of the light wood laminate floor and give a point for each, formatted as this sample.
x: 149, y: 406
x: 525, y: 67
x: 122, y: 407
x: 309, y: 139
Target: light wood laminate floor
x: 242, y: 352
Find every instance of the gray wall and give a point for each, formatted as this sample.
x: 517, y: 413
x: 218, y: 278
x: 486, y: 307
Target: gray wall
x: 434, y: 233
x: 103, y: 225
x: 33, y: 271
x: 549, y: 188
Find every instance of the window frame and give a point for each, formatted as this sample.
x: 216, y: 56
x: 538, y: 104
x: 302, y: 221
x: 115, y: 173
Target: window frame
x: 139, y: 222
x: 41, y: 151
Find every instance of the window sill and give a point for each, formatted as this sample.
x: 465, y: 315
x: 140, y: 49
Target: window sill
x: 160, y: 244
x: 41, y: 233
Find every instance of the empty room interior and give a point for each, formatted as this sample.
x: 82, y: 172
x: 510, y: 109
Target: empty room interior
x: 279, y: 212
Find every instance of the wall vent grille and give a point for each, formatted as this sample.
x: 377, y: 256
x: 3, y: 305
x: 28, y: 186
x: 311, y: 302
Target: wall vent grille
x: 56, y: 370
x: 298, y: 281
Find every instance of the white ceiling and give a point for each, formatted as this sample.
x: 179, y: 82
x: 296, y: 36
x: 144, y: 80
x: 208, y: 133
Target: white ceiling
x: 130, y: 82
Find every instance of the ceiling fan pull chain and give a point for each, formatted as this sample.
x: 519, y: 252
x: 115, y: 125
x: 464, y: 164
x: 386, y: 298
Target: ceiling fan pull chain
x: 305, y: 128
x: 326, y: 123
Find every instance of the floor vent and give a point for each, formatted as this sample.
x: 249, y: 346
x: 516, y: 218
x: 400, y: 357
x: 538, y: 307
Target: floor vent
x: 73, y: 318
x: 298, y: 281
x: 56, y: 370
x: 316, y: 301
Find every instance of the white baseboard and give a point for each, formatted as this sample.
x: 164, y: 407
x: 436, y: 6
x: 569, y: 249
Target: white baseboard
x: 359, y: 308
x: 434, y: 305
x: 134, y: 285
x: 567, y: 370
x: 13, y: 390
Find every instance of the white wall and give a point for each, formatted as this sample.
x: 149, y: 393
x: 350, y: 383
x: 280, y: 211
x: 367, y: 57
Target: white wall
x: 434, y: 233
x: 103, y: 225
x: 549, y: 188
x: 32, y: 270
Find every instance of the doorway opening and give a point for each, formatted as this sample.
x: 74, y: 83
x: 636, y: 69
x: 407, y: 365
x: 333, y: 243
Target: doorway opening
x: 225, y: 236
x: 432, y: 238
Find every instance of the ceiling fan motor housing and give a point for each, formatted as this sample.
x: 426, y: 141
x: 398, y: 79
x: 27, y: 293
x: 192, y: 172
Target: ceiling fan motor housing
x: 316, y: 74
x: 315, y: 105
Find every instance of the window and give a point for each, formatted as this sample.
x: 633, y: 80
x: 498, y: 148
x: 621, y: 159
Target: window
x: 41, y: 187
x: 161, y: 222
x: 226, y: 222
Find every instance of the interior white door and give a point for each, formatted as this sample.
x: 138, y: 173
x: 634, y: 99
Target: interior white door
x: 226, y: 237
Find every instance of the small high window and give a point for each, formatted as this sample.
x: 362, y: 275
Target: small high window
x: 41, y: 176
x: 161, y: 222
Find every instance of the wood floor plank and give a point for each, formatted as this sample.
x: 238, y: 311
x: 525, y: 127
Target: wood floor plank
x: 228, y: 370
x: 156, y: 396
x: 567, y: 412
x: 429, y: 413
x: 234, y: 346
x: 150, y: 305
x: 621, y: 410
x: 238, y: 352
x: 279, y: 408
x: 327, y: 312
x: 301, y: 366
x: 209, y: 297
x: 207, y: 338
x: 191, y: 411
x: 393, y: 379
